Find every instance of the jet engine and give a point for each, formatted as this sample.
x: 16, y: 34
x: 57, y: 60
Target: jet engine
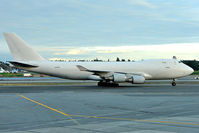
x: 117, y: 77
x: 137, y: 79
x: 134, y: 79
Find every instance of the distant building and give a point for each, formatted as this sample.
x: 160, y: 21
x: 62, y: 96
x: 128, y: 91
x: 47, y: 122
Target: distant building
x: 2, y: 70
x: 5, y: 66
x: 27, y: 75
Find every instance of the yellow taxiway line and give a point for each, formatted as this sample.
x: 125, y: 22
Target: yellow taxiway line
x: 67, y: 115
x: 108, y: 118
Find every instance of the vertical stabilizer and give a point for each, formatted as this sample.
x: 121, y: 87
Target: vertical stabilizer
x: 20, y: 50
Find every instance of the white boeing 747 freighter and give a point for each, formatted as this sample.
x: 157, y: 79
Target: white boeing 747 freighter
x: 107, y: 73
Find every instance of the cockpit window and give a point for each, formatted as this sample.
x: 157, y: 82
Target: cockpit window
x: 179, y: 61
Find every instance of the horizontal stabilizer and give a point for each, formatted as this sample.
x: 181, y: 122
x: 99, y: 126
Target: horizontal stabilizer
x: 20, y: 64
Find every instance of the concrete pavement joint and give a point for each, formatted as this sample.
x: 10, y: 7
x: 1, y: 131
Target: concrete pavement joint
x: 108, y: 118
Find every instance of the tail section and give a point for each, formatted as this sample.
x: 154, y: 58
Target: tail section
x: 20, y: 50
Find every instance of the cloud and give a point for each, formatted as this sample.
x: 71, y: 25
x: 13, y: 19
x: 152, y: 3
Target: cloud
x: 174, y: 47
x: 143, y: 3
x: 181, y: 50
x: 75, y: 52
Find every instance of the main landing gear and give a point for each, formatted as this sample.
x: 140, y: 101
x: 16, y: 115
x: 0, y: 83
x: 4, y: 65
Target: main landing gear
x: 173, y: 82
x: 101, y: 83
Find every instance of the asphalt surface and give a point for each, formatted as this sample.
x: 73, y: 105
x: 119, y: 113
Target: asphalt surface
x: 146, y: 108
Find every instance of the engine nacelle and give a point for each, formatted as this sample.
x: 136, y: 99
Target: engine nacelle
x: 136, y: 79
x: 118, y: 77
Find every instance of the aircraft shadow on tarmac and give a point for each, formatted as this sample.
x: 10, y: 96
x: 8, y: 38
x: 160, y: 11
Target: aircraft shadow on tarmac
x: 54, y: 89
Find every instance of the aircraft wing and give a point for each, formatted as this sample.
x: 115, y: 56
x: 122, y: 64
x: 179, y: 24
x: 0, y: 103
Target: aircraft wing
x: 106, y: 74
x: 81, y: 68
x: 102, y: 74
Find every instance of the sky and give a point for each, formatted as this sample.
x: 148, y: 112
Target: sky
x: 103, y: 29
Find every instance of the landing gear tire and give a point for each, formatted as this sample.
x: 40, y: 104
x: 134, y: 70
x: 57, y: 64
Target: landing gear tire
x: 107, y: 84
x: 114, y: 84
x: 173, y: 83
x: 100, y: 83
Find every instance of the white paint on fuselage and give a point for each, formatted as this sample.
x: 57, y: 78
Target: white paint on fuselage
x: 150, y: 69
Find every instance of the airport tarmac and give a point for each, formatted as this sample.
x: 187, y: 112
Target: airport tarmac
x: 83, y: 108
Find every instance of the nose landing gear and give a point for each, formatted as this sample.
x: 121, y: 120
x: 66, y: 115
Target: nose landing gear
x: 173, y: 82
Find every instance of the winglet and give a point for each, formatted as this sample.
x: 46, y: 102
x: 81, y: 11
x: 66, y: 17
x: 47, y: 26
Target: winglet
x: 81, y: 68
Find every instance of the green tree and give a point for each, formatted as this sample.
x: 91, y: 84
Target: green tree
x: 118, y: 59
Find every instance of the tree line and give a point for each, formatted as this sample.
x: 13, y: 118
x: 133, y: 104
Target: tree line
x: 192, y: 63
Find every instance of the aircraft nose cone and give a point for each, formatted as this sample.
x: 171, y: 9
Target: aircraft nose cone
x: 189, y: 70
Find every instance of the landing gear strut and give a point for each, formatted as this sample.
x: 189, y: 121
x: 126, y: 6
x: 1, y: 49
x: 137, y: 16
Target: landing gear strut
x: 101, y: 83
x: 173, y: 82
